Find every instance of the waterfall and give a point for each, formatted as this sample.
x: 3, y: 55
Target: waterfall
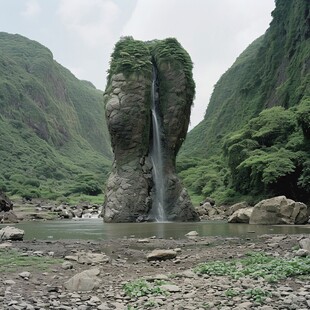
x: 157, y: 156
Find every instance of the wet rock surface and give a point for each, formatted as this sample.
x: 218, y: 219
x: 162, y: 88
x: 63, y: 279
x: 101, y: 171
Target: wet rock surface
x: 101, y: 285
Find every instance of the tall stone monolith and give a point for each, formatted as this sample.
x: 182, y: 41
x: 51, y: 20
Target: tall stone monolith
x: 141, y: 75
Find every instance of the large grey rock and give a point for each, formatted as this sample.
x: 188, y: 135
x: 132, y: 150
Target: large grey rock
x: 241, y: 216
x: 279, y: 210
x: 236, y: 207
x: 161, y: 255
x: 130, y: 188
x: 11, y: 233
x: 209, y: 212
x: 192, y: 233
x: 84, y: 281
x: 8, y: 217
x: 92, y: 258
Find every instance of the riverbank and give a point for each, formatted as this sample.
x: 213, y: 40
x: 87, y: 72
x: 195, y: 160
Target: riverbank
x: 34, y: 274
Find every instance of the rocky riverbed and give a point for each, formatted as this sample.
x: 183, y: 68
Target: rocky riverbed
x: 121, y: 274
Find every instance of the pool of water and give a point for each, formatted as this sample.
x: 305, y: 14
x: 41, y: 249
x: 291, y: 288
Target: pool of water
x: 95, y: 229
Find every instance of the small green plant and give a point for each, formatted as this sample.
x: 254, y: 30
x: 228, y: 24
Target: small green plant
x: 150, y: 304
x: 259, y: 295
x: 141, y: 287
x: 231, y: 292
x: 295, y: 247
x: 258, y: 265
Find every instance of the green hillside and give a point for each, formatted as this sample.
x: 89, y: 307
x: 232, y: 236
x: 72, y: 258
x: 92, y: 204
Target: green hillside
x: 254, y: 139
x: 53, y: 134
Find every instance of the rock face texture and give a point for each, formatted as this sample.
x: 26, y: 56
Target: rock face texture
x: 132, y: 91
x: 241, y: 215
x: 5, y: 203
x: 279, y: 210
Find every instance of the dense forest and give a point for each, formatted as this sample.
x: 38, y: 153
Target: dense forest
x: 54, y: 139
x: 254, y: 141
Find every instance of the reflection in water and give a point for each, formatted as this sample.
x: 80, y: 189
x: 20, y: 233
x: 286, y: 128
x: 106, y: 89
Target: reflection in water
x: 95, y: 229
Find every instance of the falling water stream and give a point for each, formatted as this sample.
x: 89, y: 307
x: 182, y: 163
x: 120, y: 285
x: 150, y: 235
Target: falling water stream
x: 157, y: 157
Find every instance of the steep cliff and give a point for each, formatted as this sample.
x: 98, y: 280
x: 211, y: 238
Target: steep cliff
x: 243, y: 132
x: 54, y: 138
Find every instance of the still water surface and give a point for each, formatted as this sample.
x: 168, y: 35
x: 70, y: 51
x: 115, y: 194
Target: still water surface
x: 95, y: 229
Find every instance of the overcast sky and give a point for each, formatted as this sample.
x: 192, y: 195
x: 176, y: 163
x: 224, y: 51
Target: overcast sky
x: 81, y: 33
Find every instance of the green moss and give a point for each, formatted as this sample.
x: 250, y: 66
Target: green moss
x: 130, y: 57
x: 170, y: 53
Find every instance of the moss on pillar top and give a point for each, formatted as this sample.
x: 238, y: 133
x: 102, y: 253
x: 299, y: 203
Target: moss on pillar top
x: 130, y: 57
x: 135, y: 57
x: 171, y: 51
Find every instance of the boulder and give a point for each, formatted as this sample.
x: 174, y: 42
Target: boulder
x: 209, y: 212
x: 5, y: 202
x: 161, y: 255
x: 11, y: 233
x: 279, y: 210
x: 236, y: 207
x: 8, y: 217
x: 204, y: 209
x: 92, y: 258
x: 241, y: 216
x: 192, y: 233
x: 171, y: 288
x: 84, y: 281
x: 305, y: 244
x: 209, y: 200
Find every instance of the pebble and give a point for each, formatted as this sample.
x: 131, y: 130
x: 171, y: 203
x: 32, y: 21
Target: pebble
x: 25, y: 275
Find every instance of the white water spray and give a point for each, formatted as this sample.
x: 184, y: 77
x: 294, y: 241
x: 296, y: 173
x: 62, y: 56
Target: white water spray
x: 157, y: 158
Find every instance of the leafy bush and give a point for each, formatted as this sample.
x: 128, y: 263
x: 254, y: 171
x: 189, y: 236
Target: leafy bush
x: 92, y: 188
x: 303, y: 117
x: 267, y: 154
x: 32, y: 182
x: 257, y: 265
x: 141, y: 287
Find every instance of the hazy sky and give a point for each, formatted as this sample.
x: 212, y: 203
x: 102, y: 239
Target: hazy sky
x: 81, y: 33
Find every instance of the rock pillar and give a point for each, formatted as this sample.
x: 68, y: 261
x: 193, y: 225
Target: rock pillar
x: 130, y: 188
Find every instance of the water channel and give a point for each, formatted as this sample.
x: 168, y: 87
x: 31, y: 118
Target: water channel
x: 95, y: 229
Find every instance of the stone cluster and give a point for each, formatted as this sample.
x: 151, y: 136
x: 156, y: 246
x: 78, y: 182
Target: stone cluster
x: 97, y: 281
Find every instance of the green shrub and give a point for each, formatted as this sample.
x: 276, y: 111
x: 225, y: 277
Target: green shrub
x: 141, y: 287
x: 91, y: 188
x: 258, y: 265
x: 32, y: 182
x: 18, y: 178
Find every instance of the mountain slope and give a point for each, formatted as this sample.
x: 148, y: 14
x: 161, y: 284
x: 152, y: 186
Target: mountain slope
x: 52, y: 125
x: 274, y: 71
